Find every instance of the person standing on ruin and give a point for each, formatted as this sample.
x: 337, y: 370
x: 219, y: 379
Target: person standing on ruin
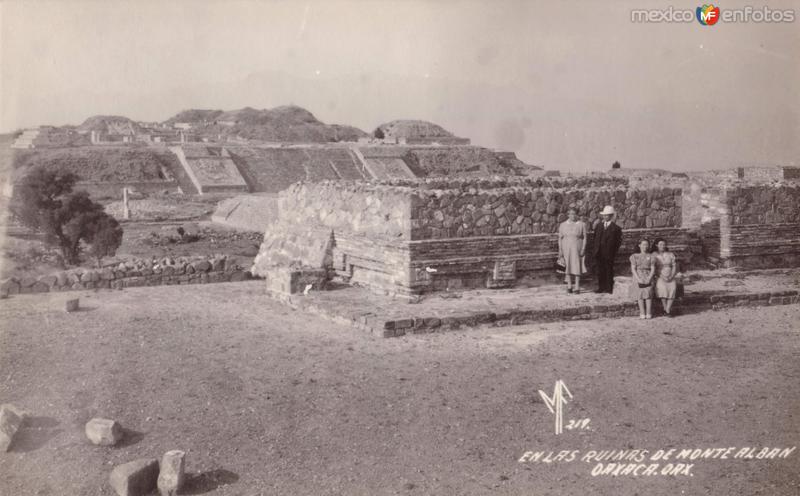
x: 571, y: 249
x: 643, y: 269
x: 607, y: 240
x: 666, y: 269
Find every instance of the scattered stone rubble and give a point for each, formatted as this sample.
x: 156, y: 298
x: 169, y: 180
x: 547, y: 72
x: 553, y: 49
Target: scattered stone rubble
x: 136, y: 478
x: 171, y: 475
x: 11, y: 419
x: 104, y: 432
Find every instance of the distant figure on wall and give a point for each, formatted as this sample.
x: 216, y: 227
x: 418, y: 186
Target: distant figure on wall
x: 607, y: 239
x: 571, y: 249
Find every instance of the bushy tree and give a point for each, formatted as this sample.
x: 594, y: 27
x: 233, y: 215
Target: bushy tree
x: 45, y: 202
x: 378, y: 133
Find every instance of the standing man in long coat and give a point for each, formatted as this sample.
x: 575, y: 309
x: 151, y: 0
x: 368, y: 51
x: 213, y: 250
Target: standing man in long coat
x: 607, y: 239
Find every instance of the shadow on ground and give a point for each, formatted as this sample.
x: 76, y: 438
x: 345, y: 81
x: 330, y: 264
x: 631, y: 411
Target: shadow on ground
x: 34, y: 433
x: 201, y: 483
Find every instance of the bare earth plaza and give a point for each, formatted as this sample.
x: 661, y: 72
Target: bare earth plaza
x: 475, y: 282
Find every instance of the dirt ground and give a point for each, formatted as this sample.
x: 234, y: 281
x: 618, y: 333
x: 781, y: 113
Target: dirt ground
x: 266, y: 400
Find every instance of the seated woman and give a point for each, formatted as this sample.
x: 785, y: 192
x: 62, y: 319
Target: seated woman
x: 643, y: 267
x: 666, y: 268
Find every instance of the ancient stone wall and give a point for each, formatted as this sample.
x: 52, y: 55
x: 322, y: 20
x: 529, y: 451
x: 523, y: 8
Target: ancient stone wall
x: 410, y: 237
x: 134, y: 273
x: 369, y: 209
x: 746, y: 225
x: 536, y: 209
x: 762, y: 226
x: 371, y: 215
x: 113, y: 190
x: 766, y: 204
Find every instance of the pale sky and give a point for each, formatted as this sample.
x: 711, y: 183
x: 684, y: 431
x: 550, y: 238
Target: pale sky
x: 566, y: 85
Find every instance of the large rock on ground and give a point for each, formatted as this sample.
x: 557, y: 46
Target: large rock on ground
x: 136, y: 478
x: 72, y: 305
x: 171, y: 476
x: 103, y: 432
x: 11, y: 419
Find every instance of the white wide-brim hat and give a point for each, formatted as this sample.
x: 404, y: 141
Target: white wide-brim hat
x: 608, y: 210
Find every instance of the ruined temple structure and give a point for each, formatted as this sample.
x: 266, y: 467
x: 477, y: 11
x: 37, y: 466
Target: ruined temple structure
x: 410, y: 237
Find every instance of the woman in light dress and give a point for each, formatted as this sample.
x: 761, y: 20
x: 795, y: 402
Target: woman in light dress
x: 571, y: 249
x: 643, y: 268
x: 666, y: 268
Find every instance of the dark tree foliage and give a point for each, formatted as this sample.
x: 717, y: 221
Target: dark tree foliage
x: 615, y: 165
x: 45, y: 202
x: 378, y: 133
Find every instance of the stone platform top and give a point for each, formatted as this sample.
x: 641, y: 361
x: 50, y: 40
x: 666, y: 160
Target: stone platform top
x: 390, y: 316
x: 498, y: 182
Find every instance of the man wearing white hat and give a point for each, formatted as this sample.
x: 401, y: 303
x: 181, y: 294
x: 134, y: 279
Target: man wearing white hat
x: 607, y: 239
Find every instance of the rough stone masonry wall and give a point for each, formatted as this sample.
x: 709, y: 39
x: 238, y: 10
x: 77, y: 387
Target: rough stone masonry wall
x: 367, y: 222
x: 535, y: 209
x: 763, y: 226
x: 134, y: 273
x: 411, y: 237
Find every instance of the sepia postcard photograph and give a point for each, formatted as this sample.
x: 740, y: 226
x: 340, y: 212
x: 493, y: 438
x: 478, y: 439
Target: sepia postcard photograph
x: 399, y: 247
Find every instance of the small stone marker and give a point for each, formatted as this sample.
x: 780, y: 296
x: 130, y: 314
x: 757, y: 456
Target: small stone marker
x: 171, y: 477
x: 11, y: 419
x: 72, y: 305
x: 103, y: 432
x: 136, y: 478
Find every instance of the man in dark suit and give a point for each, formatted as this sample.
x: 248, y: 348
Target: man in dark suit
x: 607, y: 238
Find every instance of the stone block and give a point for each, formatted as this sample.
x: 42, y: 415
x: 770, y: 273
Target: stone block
x: 103, y: 432
x: 403, y: 324
x: 11, y: 419
x: 202, y: 266
x: 136, y: 478
x: 72, y: 305
x: 171, y: 475
x: 40, y: 287
x: 10, y: 286
x: 218, y: 265
x: 432, y: 322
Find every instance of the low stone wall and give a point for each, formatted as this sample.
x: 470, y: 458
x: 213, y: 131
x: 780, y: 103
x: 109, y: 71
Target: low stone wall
x: 744, y: 225
x: 525, y: 260
x: 114, y: 189
x: 131, y: 274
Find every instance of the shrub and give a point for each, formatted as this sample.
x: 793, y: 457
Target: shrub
x: 45, y: 202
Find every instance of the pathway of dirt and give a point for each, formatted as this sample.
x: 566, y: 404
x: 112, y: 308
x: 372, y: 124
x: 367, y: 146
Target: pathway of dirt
x: 266, y: 400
